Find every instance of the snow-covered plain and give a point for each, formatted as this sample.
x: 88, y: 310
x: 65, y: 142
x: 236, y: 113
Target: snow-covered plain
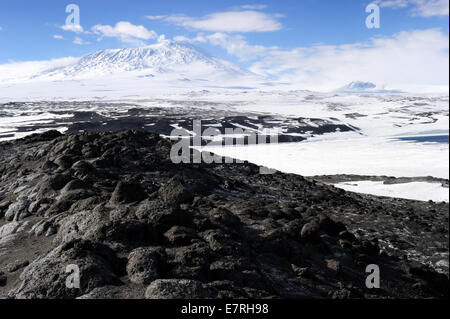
x: 347, y: 153
x: 414, y: 190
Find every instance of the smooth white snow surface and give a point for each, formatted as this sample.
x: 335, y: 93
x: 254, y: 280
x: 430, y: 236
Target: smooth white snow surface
x: 347, y: 153
x: 10, y: 125
x: 423, y: 191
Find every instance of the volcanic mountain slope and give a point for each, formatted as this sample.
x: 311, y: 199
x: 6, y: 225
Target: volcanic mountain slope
x: 137, y: 225
x: 163, y: 57
x: 364, y: 87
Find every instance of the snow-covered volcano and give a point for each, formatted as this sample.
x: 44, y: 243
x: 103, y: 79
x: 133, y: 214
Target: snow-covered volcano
x: 163, y: 57
x: 358, y: 86
x: 364, y: 87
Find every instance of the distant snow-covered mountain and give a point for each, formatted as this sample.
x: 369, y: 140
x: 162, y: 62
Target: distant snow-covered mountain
x: 358, y: 86
x: 163, y: 57
x: 363, y: 87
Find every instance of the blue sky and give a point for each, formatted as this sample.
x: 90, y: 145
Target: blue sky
x: 29, y: 27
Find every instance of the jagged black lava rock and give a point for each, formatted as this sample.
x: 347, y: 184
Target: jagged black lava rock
x: 139, y: 226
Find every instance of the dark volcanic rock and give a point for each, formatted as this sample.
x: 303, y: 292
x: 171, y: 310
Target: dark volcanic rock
x: 126, y: 192
x: 178, y: 289
x: 310, y: 230
x: 144, y: 264
x: 178, y: 235
x: 19, y: 265
x: 3, y: 279
x: 174, y: 191
x: 43, y: 277
x: 137, y: 225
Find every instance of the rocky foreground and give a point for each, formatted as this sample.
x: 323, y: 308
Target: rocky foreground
x: 138, y: 226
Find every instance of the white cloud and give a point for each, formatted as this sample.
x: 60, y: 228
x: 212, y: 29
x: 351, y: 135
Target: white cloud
x: 394, y: 4
x: 431, y: 8
x: 404, y: 59
x: 200, y: 38
x: 156, y: 17
x: 237, y: 45
x: 1, y: 28
x: 161, y: 38
x: 254, y: 6
x: 58, y: 37
x: 407, y: 59
x: 73, y: 28
x: 231, y: 21
x: 182, y: 38
x: 423, y: 8
x: 19, y: 71
x: 79, y: 41
x: 125, y: 32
